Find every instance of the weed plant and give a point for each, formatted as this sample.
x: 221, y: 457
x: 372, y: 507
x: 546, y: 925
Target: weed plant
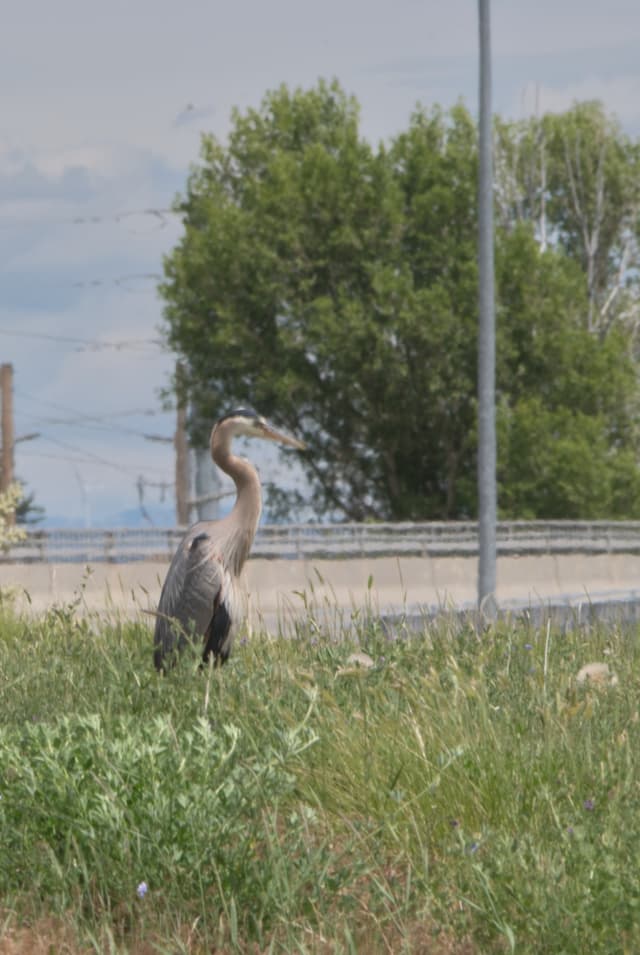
x: 460, y: 794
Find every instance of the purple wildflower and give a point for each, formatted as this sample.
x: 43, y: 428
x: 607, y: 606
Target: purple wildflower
x: 142, y: 890
x: 528, y: 646
x: 589, y: 804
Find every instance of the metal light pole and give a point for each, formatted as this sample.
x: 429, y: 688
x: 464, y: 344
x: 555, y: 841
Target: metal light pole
x: 8, y: 440
x: 486, y: 335
x: 181, y: 446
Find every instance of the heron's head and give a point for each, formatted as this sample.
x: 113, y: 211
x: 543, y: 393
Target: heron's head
x: 244, y: 422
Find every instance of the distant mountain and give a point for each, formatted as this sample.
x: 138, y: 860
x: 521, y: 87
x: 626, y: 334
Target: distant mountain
x: 154, y: 515
x: 55, y: 521
x: 158, y: 516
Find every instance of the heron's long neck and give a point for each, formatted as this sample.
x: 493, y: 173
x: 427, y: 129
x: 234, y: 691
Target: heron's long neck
x: 245, y: 515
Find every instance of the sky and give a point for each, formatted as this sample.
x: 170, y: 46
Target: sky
x: 102, y: 107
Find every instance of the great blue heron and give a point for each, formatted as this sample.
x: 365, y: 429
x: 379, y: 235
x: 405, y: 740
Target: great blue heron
x: 199, y: 597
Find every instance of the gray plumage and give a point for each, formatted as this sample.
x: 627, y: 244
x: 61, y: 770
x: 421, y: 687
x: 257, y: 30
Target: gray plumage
x: 199, y: 601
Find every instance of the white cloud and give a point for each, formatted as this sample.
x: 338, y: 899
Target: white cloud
x: 102, y: 109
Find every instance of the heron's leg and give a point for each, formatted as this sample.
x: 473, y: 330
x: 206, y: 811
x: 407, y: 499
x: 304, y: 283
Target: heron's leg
x: 216, y: 642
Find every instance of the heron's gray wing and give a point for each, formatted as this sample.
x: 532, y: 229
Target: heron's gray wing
x: 195, y: 586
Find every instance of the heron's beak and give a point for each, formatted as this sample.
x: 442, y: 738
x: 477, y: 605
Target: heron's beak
x: 272, y: 435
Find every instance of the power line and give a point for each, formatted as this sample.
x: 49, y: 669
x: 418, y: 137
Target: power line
x: 101, y: 422
x: 90, y: 458
x: 159, y: 215
x: 120, y: 281
x: 81, y: 458
x: 143, y: 475
x: 97, y: 425
x: 87, y: 343
x: 82, y: 422
x: 129, y: 413
x: 126, y: 283
x: 80, y: 415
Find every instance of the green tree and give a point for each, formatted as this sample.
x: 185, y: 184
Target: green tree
x: 568, y: 402
x: 9, y: 502
x: 28, y: 512
x: 576, y: 177
x: 306, y: 284
x: 334, y: 286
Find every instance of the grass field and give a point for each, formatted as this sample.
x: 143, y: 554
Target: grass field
x: 460, y: 795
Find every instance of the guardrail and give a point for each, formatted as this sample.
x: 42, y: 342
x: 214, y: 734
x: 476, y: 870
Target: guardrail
x: 335, y: 541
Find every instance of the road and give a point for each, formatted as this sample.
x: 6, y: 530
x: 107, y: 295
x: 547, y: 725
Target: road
x: 280, y: 591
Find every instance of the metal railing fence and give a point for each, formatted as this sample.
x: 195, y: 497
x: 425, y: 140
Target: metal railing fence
x: 336, y: 541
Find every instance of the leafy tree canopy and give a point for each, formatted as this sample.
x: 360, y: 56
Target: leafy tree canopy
x: 575, y: 177
x: 333, y: 285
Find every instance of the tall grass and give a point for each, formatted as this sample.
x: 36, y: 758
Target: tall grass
x: 460, y: 794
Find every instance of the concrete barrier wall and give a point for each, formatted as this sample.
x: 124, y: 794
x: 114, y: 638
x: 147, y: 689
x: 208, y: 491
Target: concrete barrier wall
x: 389, y: 584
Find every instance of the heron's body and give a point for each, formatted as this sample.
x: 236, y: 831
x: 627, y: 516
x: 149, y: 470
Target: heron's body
x: 200, y: 599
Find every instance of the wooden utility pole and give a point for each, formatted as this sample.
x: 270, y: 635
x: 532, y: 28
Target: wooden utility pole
x: 6, y: 391
x: 182, y: 454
